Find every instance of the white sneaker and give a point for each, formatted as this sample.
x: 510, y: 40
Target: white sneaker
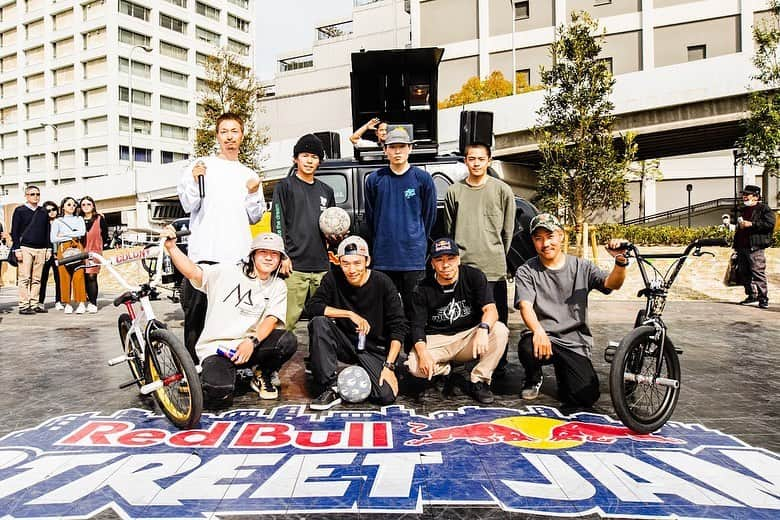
x: 80, y: 309
x: 68, y: 309
x: 58, y: 306
x: 91, y: 308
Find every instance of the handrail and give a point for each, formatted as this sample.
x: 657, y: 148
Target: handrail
x: 672, y: 213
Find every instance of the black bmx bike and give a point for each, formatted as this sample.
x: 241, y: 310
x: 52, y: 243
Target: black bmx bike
x: 644, y: 376
x: 159, y: 364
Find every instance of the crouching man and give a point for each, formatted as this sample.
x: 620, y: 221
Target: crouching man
x: 551, y: 291
x: 351, y: 301
x: 247, y: 301
x: 455, y: 319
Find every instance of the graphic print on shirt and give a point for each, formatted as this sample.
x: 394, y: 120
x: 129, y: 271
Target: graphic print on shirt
x: 451, y: 312
x: 409, y: 193
x: 323, y: 203
x: 243, y: 300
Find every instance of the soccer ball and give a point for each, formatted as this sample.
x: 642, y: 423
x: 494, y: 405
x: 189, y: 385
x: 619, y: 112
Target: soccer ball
x: 354, y: 384
x: 334, y: 221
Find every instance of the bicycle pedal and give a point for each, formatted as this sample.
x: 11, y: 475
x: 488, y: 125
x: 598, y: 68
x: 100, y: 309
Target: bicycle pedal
x: 119, y: 359
x: 152, y: 387
x: 609, y: 352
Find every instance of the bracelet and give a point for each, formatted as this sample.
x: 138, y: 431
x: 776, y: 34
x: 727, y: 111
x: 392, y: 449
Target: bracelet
x: 622, y: 264
x: 390, y: 365
x: 255, y: 341
x: 484, y: 325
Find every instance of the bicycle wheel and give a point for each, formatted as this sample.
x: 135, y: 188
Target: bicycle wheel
x: 643, y: 406
x: 131, y: 348
x: 180, y: 397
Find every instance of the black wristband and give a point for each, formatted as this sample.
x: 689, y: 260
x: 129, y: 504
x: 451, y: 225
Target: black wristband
x: 621, y: 264
x: 255, y: 342
x: 388, y: 364
x: 484, y: 325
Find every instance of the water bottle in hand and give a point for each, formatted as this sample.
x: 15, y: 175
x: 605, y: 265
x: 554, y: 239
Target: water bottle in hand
x: 361, y: 344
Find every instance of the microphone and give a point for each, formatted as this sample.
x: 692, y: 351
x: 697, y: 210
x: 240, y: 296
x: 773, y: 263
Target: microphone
x: 201, y: 180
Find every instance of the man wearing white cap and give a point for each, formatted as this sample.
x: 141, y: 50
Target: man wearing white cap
x: 355, y: 302
x: 247, y: 301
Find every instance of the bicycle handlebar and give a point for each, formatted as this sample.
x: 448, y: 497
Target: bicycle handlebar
x: 73, y: 259
x: 711, y: 242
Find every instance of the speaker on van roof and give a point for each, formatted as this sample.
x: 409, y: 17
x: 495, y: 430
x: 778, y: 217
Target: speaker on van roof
x: 475, y: 127
x: 331, y: 141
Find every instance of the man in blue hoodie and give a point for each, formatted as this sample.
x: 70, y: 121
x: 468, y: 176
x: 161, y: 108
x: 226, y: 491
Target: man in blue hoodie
x: 400, y: 213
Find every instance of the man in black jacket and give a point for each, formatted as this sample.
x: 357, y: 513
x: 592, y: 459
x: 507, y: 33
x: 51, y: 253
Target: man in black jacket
x: 30, y: 235
x: 357, y: 318
x: 755, y: 226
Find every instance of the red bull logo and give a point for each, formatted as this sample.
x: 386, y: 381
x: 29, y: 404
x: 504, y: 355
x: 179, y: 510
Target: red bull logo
x: 531, y: 432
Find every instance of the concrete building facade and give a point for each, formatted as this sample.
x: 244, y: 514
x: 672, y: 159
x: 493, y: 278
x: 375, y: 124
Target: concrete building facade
x: 83, y: 82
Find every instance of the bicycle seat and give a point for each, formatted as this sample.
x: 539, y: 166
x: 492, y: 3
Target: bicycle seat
x: 127, y: 296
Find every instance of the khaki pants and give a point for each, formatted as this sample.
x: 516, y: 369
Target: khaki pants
x: 30, y: 269
x: 459, y: 347
x: 299, y: 286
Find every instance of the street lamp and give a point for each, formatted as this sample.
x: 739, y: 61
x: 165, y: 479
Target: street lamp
x: 626, y: 204
x: 689, y: 189
x: 738, y: 155
x: 56, y: 150
x: 514, y: 58
x: 131, y: 153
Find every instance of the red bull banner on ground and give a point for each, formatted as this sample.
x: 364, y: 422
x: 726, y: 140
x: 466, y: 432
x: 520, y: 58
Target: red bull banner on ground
x: 284, y: 460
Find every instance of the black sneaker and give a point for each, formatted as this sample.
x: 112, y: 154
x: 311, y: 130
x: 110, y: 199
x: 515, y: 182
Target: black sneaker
x: 26, y: 310
x: 261, y: 383
x: 531, y: 390
x: 327, y: 399
x: 40, y: 309
x: 764, y: 304
x: 481, y: 392
x: 749, y: 300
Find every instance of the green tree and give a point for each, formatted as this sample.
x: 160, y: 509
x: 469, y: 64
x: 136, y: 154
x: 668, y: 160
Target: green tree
x: 492, y: 87
x: 230, y: 87
x: 762, y: 127
x: 582, y: 169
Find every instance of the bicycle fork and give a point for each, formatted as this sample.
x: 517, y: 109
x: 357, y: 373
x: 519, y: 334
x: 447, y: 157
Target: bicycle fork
x: 654, y: 379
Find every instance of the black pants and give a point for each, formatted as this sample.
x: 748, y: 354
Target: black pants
x: 500, y: 295
x: 328, y: 345
x: 406, y: 282
x: 578, y: 383
x: 49, y: 266
x: 219, y: 373
x: 194, y: 304
x: 91, y: 283
x: 752, y: 270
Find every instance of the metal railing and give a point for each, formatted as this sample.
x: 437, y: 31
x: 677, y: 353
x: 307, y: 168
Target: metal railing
x: 726, y: 202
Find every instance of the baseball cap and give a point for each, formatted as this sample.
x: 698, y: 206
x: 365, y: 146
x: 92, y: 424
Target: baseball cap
x: 398, y: 135
x: 353, y: 245
x: 546, y: 221
x: 444, y: 246
x: 269, y: 241
x: 751, y: 189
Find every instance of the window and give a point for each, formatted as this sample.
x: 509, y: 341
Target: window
x: 32, y: 5
x: 200, y: 110
x: 134, y: 10
x: 607, y: 63
x: 237, y: 47
x: 207, y: 11
x: 173, y: 51
x: 338, y: 182
x: 96, y: 126
x: 174, y: 132
x: 95, y: 156
x: 174, y: 24
x: 237, y: 23
x: 34, y: 82
x: 93, y: 10
x: 133, y: 38
x: 140, y: 97
x: 8, y: 89
x: 9, y: 167
x: 97, y: 37
x: 64, y: 103
x: 95, y: 68
x: 63, y: 20
x: 173, y: 104
x: 8, y: 141
x: 8, y: 38
x: 35, y: 136
x: 523, y: 78
x: 34, y: 56
x: 171, y: 77
x: 522, y: 10
x: 602, y: 2
x: 7, y: 12
x: 697, y: 52
x: 8, y: 115
x: 201, y: 85
x: 63, y: 76
x: 64, y: 47
x: 140, y: 69
x: 34, y: 29
x: 35, y: 163
x: 244, y: 4
x: 8, y: 63
x: 299, y: 62
x: 201, y: 59
x: 180, y: 3
x: 207, y: 36
x: 95, y: 97
x: 142, y: 154
x: 140, y: 126
x: 169, y: 157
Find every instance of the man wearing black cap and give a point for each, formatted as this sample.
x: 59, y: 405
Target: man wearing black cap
x: 454, y: 318
x: 298, y: 201
x: 755, y: 225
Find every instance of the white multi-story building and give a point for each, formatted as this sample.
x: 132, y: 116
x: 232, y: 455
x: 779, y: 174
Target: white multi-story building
x: 68, y: 72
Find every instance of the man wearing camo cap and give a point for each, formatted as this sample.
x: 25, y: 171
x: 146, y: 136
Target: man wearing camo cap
x: 551, y: 292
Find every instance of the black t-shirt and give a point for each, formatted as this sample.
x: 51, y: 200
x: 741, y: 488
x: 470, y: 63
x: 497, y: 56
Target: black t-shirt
x: 452, y: 309
x: 295, y: 216
x: 377, y: 301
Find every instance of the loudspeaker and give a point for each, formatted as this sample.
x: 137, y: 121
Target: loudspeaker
x: 331, y: 141
x: 475, y: 127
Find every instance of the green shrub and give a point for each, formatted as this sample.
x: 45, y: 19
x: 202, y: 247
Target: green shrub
x: 661, y: 235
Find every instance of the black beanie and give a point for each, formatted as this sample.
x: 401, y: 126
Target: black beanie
x: 309, y: 143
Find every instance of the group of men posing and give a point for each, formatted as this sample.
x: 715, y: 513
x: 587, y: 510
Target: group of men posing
x: 374, y: 302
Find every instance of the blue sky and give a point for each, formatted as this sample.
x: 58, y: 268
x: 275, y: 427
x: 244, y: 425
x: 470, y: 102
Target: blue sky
x: 284, y: 25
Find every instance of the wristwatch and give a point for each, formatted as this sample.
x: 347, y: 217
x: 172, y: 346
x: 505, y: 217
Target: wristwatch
x: 255, y: 341
x: 484, y: 325
x: 390, y: 365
